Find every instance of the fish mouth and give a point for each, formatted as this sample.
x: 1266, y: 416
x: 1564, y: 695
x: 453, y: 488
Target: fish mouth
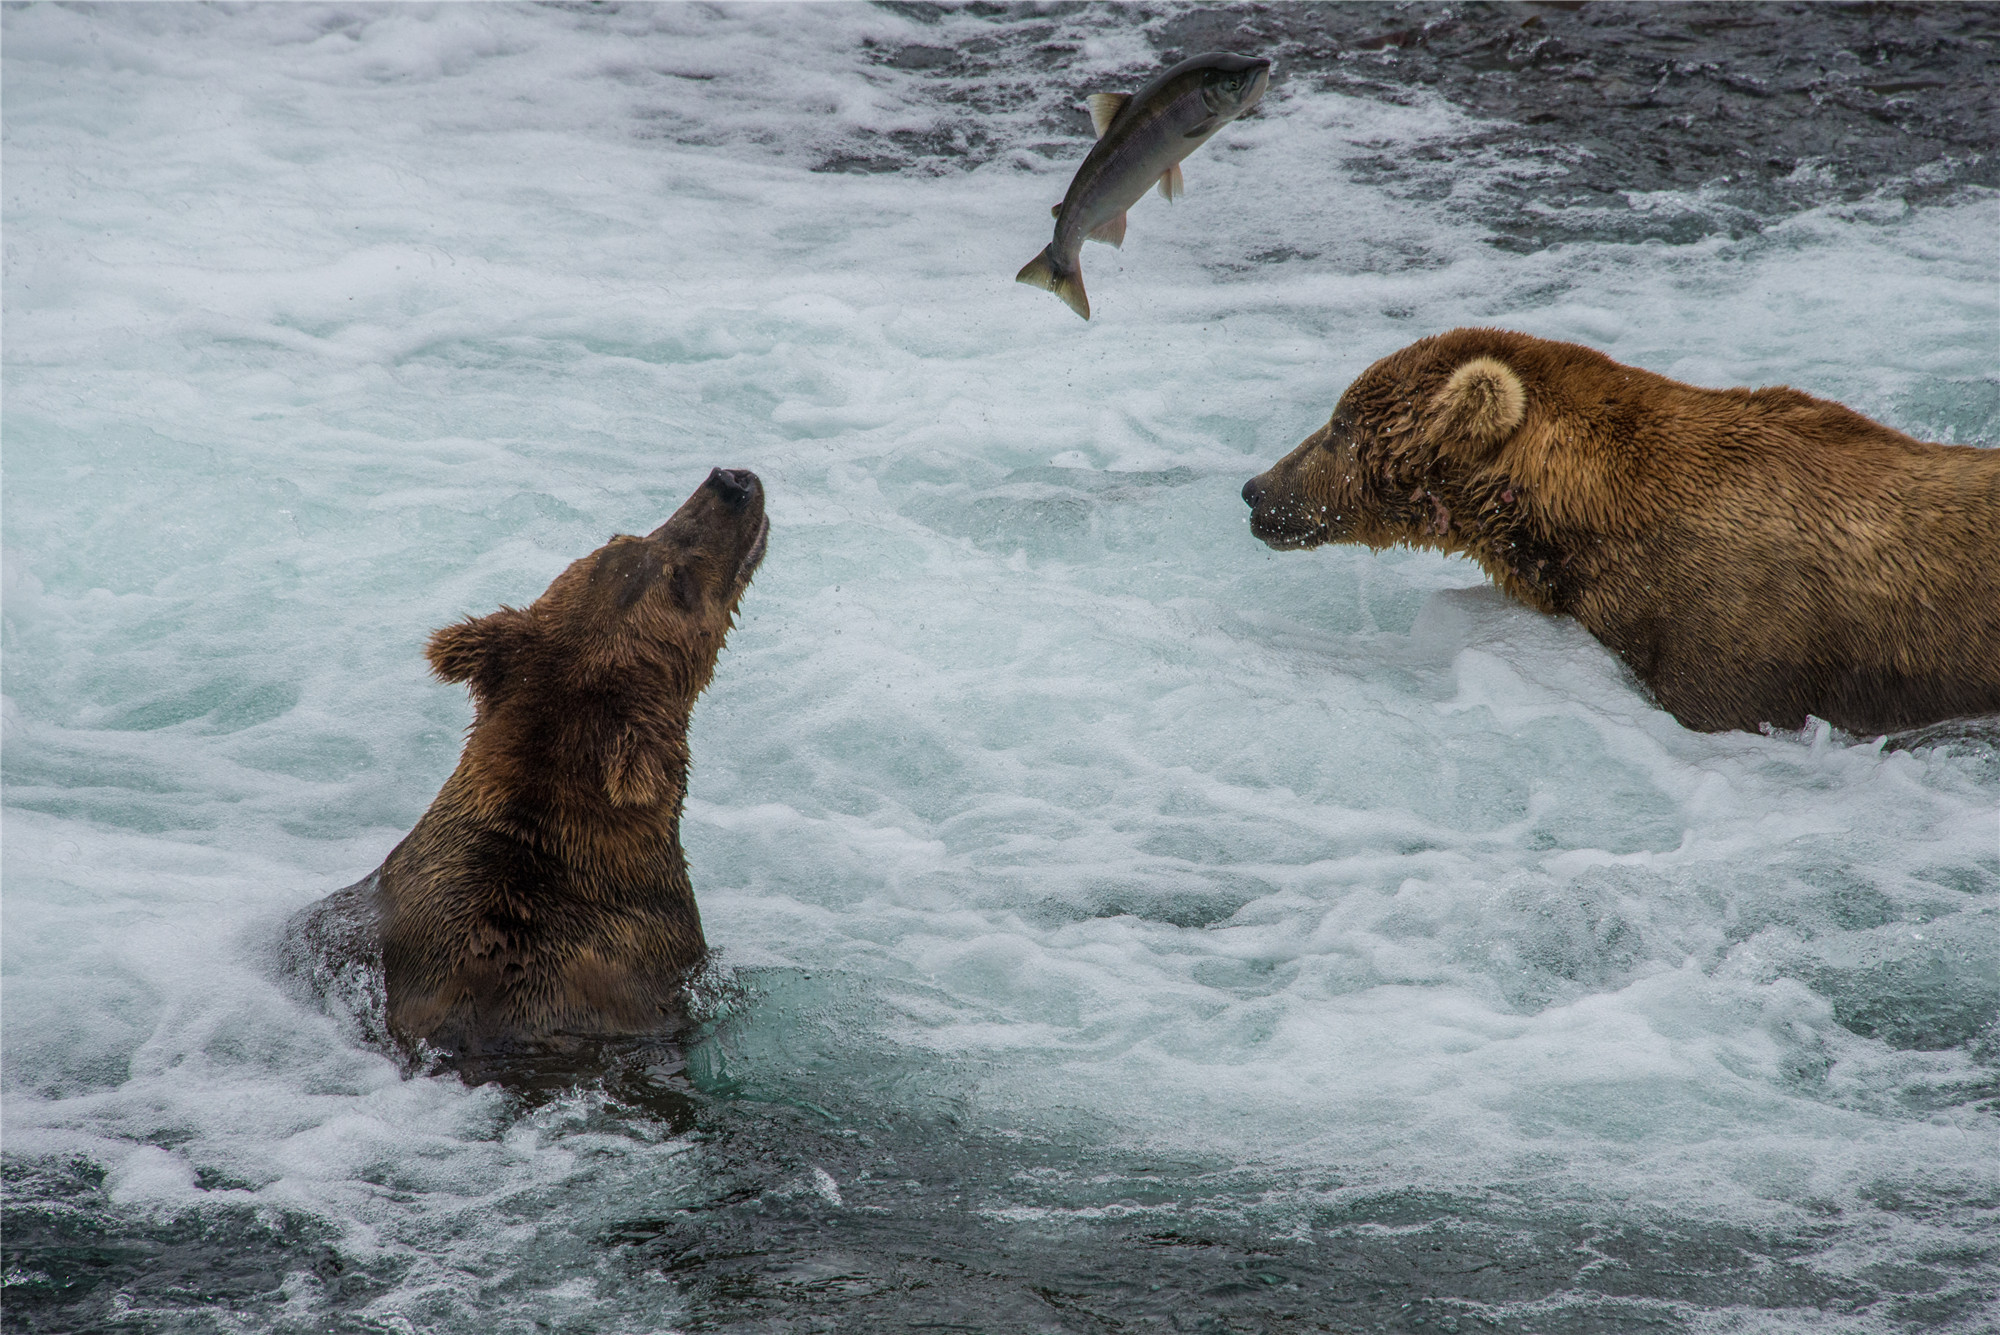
x: 1258, y: 85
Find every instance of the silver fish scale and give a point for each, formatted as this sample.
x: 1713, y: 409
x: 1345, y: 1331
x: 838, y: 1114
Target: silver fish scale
x: 1128, y: 156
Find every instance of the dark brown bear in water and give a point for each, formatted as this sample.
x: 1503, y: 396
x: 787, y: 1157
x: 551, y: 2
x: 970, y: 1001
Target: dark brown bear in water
x: 543, y: 898
x: 1755, y: 556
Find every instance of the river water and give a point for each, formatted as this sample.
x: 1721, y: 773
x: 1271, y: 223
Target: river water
x: 1119, y: 925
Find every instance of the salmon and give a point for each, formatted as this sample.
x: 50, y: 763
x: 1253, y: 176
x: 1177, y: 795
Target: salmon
x: 1141, y: 139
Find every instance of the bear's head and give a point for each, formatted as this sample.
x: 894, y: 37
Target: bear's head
x: 1410, y: 454
x: 583, y: 697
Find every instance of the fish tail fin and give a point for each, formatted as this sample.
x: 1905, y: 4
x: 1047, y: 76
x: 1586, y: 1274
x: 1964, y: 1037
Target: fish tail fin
x: 1042, y: 272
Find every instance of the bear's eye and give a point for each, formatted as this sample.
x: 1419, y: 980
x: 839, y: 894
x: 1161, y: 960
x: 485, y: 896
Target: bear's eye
x: 625, y: 569
x: 686, y: 587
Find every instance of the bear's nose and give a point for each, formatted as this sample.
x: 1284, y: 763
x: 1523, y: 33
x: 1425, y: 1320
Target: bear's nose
x: 1253, y: 492
x: 738, y: 486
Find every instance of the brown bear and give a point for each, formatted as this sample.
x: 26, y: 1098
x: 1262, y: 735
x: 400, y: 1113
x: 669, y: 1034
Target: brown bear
x: 1754, y: 556
x: 543, y: 897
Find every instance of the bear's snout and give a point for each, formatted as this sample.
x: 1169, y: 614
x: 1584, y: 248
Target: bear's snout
x: 736, y: 486
x: 1278, y: 516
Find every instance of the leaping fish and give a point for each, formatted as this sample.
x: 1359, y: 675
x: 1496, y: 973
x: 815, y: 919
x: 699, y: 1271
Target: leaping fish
x: 1141, y: 139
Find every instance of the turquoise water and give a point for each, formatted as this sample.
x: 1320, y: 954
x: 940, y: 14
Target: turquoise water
x: 1116, y: 921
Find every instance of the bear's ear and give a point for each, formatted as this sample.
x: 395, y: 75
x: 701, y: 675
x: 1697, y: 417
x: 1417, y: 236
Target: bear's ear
x: 1478, y: 408
x: 474, y: 649
x: 634, y: 772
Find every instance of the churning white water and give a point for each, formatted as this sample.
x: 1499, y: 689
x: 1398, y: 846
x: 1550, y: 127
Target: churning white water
x: 1110, y: 910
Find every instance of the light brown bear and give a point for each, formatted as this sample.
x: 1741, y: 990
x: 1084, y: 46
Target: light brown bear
x: 543, y: 898
x: 1755, y: 556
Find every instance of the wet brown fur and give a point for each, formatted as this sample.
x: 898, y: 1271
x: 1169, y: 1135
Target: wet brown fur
x: 544, y: 893
x: 1755, y: 556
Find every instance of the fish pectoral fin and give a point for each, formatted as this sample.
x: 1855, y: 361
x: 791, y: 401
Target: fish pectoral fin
x: 1104, y: 109
x: 1111, y: 231
x: 1203, y: 127
x: 1055, y: 210
x: 1172, y: 187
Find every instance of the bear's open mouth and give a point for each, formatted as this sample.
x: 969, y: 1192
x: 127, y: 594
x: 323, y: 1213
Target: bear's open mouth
x: 1290, y: 542
x: 1282, y: 529
x: 748, y: 566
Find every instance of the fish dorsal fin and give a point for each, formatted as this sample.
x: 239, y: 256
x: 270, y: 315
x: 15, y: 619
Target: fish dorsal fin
x: 1104, y: 109
x: 1172, y: 187
x: 1111, y: 231
x: 1055, y: 210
